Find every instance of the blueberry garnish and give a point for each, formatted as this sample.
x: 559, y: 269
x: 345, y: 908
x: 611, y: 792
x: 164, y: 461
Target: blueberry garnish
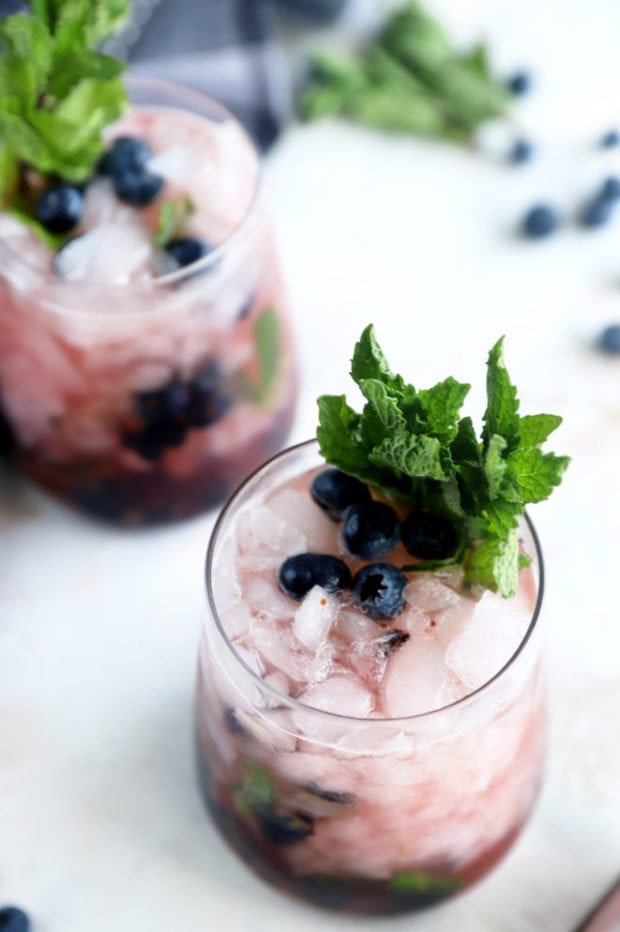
x: 127, y: 154
x: 187, y: 249
x: 59, y: 208
x: 284, y: 829
x: 609, y: 340
x: 335, y: 491
x: 298, y: 574
x: 540, y: 221
x: 370, y: 529
x: 610, y: 139
x: 522, y: 151
x: 429, y: 536
x: 520, y: 83
x: 138, y: 188
x: 13, y: 919
x: 378, y: 590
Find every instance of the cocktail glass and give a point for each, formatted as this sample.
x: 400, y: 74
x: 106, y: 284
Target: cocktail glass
x: 147, y: 398
x: 337, y: 805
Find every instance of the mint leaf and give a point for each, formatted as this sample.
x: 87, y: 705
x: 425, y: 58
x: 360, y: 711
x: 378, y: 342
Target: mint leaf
x: 9, y: 176
x: 267, y: 344
x: 414, y: 446
x: 28, y: 40
x: 257, y: 790
x: 172, y: 216
x: 422, y: 882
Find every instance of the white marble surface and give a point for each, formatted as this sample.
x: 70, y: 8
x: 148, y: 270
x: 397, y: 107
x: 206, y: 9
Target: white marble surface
x: 101, y: 825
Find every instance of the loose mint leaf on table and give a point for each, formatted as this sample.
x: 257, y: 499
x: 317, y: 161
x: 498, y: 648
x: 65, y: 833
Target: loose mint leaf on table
x: 414, y: 446
x: 408, y: 78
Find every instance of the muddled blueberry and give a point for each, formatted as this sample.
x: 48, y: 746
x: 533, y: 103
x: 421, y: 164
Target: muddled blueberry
x: 334, y: 491
x: 151, y: 440
x: 429, y: 536
x: 370, y: 529
x: 392, y: 640
x: 168, y: 401
x: 610, y: 139
x: 610, y: 189
x: 299, y: 573
x: 138, y: 188
x: 540, y: 221
x: 519, y: 83
x: 522, y: 151
x: 127, y: 154
x: 59, y: 208
x: 378, y: 590
x: 13, y: 919
x: 187, y: 249
x: 284, y: 829
x: 609, y: 339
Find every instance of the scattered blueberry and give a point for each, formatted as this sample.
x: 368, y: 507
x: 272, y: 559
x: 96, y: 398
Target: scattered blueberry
x: 187, y: 249
x: 540, y: 221
x: 13, y: 919
x: 610, y: 139
x: 610, y: 189
x: 127, y: 154
x: 285, y: 829
x: 609, y: 340
x: 299, y: 573
x: 378, y: 590
x: 370, y: 529
x: 520, y: 83
x: 138, y: 188
x: 334, y: 491
x: 59, y: 208
x: 596, y: 213
x: 429, y: 536
x: 521, y: 152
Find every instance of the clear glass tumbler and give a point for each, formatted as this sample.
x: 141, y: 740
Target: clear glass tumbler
x: 342, y: 807
x: 148, y: 397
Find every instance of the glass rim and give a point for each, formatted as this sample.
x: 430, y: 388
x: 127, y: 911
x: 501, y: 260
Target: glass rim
x: 177, y: 275
x: 279, y: 696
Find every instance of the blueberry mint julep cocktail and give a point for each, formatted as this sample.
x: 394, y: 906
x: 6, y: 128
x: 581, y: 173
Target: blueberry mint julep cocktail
x: 145, y: 357
x: 370, y: 704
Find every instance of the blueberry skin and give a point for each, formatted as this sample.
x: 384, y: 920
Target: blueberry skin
x: 335, y: 491
x: 520, y: 83
x: 522, y: 151
x: 285, y: 829
x: 13, y: 919
x: 596, y: 213
x: 370, y: 529
x: 299, y: 573
x: 540, y: 221
x: 610, y: 189
x: 59, y: 208
x: 151, y: 441
x: 609, y: 340
x: 429, y: 536
x: 188, y: 249
x: 138, y: 188
x: 128, y: 154
x: 378, y: 590
x: 610, y: 139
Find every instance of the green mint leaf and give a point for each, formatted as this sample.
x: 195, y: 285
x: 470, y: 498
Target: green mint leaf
x: 106, y: 17
x: 494, y: 464
x: 338, y: 436
x: 9, y: 176
x: 535, y: 474
x: 257, y: 790
x: 368, y: 360
x: 416, y: 38
x: 442, y: 404
x: 29, y: 41
x: 172, y: 217
x: 416, y: 456
x: 501, y: 416
x: 76, y: 66
x: 422, y: 882
x: 494, y: 564
x: 267, y: 342
x: 536, y: 428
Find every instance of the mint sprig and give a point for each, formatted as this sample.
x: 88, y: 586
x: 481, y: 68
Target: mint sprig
x: 414, y: 446
x: 57, y: 91
x: 408, y: 78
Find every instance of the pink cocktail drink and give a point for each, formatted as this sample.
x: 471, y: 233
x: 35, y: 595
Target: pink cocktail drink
x: 370, y: 761
x: 140, y: 383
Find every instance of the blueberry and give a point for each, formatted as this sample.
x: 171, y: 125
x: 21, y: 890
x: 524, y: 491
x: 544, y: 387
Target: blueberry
x: 540, y: 221
x: 168, y: 401
x: 520, y: 83
x: 284, y: 829
x: 13, y: 919
x: 232, y: 721
x: 430, y: 536
x: 151, y: 441
x: 596, y: 213
x: 378, y: 590
x: 610, y: 139
x: 187, y: 249
x: 370, y: 529
x: 139, y: 188
x: 521, y: 151
x: 610, y: 189
x: 206, y: 403
x: 128, y: 154
x: 334, y: 491
x: 609, y: 340
x: 298, y: 574
x: 59, y: 208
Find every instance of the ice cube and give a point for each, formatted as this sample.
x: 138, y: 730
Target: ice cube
x: 299, y: 511
x: 428, y: 593
x: 110, y: 252
x: 314, y: 618
x: 278, y: 647
x: 417, y: 680
x: 488, y: 641
x: 342, y: 694
x: 266, y: 539
x: 176, y: 164
x: 266, y: 600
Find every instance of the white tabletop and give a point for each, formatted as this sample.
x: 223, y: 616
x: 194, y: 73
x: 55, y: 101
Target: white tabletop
x: 101, y: 824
